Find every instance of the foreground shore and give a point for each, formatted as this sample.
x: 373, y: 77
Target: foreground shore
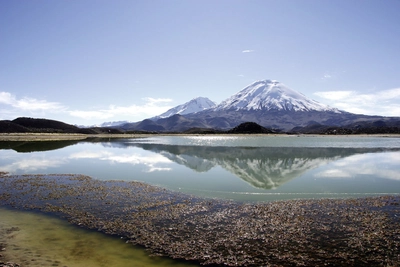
x: 347, y: 232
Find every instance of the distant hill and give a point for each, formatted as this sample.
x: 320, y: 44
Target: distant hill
x: 7, y: 126
x: 250, y: 128
x: 45, y: 125
x: 33, y: 125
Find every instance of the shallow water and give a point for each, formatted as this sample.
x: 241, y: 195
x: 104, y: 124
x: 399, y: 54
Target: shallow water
x: 42, y: 240
x: 243, y: 168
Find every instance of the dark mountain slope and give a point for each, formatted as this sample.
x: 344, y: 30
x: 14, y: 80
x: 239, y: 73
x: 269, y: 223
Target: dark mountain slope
x: 7, y: 126
x: 45, y: 125
x: 380, y: 125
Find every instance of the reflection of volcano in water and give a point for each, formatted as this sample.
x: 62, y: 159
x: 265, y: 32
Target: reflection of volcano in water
x: 262, y: 167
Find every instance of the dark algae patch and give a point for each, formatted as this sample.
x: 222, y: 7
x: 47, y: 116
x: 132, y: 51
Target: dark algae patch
x: 330, y: 232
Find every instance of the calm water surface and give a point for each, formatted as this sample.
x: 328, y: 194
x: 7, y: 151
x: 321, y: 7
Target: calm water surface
x: 245, y: 168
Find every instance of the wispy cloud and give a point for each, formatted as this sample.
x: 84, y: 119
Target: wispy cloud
x: 335, y: 95
x: 11, y: 107
x: 150, y: 107
x: 326, y: 76
x: 248, y: 51
x: 28, y: 104
x: 385, y: 102
x: 332, y: 74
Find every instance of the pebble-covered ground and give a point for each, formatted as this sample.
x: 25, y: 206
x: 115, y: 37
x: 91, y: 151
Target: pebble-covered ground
x: 328, y: 232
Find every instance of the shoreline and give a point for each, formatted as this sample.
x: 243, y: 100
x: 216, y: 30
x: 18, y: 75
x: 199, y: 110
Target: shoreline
x: 73, y: 136
x: 342, y: 232
x: 61, y: 137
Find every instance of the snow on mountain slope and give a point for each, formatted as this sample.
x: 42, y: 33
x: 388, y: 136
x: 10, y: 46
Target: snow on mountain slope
x: 193, y: 106
x: 271, y: 95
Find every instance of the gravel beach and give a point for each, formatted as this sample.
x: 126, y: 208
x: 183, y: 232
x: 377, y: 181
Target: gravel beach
x: 327, y: 232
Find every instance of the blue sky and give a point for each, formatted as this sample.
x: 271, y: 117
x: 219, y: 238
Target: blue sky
x: 89, y: 61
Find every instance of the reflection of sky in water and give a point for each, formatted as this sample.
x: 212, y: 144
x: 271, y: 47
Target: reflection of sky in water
x: 151, y: 161
x: 275, y: 141
x: 382, y: 165
x: 30, y: 165
x: 19, y: 163
x: 247, y: 173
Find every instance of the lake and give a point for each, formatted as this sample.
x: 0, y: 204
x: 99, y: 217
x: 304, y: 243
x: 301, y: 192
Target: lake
x: 241, y: 168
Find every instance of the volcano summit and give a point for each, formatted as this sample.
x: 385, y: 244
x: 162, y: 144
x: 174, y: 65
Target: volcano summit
x: 271, y: 95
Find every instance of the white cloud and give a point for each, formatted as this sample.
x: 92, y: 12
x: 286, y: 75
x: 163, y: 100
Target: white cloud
x: 90, y: 115
x: 12, y: 107
x: 385, y: 103
x: 7, y: 98
x: 28, y: 104
x: 335, y: 95
x: 153, y: 101
x: 248, y: 51
x: 151, y: 107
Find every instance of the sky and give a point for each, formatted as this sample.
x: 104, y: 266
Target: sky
x: 85, y: 62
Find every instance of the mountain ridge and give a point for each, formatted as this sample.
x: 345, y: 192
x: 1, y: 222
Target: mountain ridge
x: 268, y: 103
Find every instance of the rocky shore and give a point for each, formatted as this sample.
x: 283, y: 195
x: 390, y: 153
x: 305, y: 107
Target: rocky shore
x: 347, y: 232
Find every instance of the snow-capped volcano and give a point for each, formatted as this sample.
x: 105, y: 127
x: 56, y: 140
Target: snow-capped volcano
x: 193, y: 106
x: 271, y: 95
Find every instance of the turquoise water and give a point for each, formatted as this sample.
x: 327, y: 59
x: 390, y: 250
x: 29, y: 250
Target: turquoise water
x: 243, y: 168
